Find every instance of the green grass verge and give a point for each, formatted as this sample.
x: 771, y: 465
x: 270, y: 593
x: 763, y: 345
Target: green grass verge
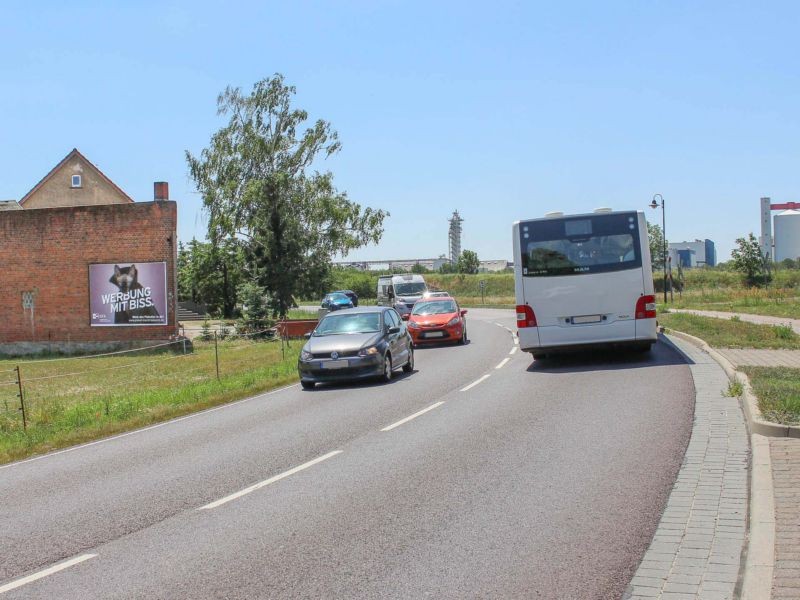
x: 78, y: 400
x: 778, y: 392
x: 731, y: 333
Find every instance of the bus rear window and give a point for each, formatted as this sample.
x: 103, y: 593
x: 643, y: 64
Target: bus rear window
x: 583, y: 245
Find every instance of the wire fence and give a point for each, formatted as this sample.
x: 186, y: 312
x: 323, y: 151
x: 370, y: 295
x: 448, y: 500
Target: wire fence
x: 77, y: 390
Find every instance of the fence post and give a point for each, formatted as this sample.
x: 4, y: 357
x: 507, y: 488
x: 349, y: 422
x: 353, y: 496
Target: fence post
x: 21, y: 400
x: 216, y: 354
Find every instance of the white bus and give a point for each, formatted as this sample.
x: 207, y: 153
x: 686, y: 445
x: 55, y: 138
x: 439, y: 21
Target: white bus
x: 583, y: 281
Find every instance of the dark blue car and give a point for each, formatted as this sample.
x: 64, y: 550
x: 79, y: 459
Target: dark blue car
x: 336, y: 301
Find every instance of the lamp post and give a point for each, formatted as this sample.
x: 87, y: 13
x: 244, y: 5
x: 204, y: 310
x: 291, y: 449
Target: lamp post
x: 656, y: 204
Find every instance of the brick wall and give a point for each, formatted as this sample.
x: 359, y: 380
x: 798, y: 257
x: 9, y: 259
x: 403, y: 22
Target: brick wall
x: 49, y: 251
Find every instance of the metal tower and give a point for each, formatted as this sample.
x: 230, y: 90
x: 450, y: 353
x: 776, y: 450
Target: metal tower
x: 454, y: 237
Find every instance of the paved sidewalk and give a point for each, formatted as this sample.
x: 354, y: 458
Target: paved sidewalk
x: 785, y: 456
x: 696, y: 550
x: 759, y: 319
x: 761, y: 358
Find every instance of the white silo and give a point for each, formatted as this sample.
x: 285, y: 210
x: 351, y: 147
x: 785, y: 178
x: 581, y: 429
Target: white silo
x: 787, y: 235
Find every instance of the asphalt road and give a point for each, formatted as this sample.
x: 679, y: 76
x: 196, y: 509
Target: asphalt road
x: 542, y: 480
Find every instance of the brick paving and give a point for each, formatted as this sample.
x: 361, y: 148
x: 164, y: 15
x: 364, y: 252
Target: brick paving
x: 785, y: 456
x: 761, y: 358
x: 696, y: 550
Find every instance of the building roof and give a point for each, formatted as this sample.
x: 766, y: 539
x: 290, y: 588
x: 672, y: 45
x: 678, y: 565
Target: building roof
x: 74, y: 152
x: 9, y: 205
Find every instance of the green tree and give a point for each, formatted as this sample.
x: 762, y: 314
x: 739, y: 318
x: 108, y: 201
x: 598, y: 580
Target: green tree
x: 257, y: 185
x: 447, y: 267
x: 468, y: 262
x: 418, y: 268
x: 746, y: 258
x: 209, y: 274
x: 255, y: 311
x: 656, y: 238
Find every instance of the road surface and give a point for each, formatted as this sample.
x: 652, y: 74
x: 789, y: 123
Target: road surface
x: 511, y: 479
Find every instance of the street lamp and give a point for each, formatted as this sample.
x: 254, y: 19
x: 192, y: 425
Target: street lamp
x: 655, y: 204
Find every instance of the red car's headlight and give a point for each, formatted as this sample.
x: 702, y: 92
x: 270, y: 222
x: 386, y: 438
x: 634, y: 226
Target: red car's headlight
x: 413, y: 325
x: 453, y: 321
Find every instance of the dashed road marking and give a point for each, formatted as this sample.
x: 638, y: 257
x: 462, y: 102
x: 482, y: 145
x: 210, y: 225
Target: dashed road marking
x: 502, y: 363
x: 44, y: 573
x: 514, y: 349
x: 414, y: 416
x: 266, y: 482
x: 476, y: 382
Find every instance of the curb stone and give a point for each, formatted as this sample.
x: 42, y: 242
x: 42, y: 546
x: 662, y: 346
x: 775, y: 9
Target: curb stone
x: 749, y: 401
x: 697, y: 548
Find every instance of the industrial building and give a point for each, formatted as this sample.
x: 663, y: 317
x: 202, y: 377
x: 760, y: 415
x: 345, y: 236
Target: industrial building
x: 699, y: 253
x: 785, y: 243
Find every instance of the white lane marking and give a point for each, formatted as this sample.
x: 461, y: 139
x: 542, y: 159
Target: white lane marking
x: 476, y: 382
x: 514, y: 349
x: 266, y: 482
x: 48, y: 571
x: 508, y: 329
x: 414, y: 416
x: 148, y: 428
x: 516, y: 340
x: 500, y: 325
x: 502, y: 363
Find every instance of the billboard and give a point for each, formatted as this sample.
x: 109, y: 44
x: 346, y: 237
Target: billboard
x: 128, y: 294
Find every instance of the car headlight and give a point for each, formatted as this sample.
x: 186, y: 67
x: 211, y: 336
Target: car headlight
x: 368, y: 351
x: 413, y: 325
x: 306, y: 356
x: 453, y: 321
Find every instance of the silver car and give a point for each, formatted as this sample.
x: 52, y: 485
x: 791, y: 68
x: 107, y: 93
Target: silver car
x: 356, y: 343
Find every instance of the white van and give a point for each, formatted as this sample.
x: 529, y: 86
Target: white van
x: 583, y: 281
x: 401, y: 291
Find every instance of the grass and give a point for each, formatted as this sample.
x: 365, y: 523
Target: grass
x: 77, y: 400
x: 778, y: 392
x: 774, y: 302
x: 723, y: 333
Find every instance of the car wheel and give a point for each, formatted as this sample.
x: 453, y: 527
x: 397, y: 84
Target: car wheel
x: 387, y: 368
x: 307, y: 385
x: 409, y: 366
x: 463, y: 339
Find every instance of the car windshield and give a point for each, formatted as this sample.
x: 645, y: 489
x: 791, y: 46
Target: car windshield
x: 438, y: 307
x: 409, y: 289
x: 349, y: 323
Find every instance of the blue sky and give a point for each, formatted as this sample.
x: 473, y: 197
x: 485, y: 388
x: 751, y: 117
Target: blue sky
x: 501, y: 110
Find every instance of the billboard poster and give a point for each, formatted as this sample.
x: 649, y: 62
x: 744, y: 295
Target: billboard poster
x: 127, y: 294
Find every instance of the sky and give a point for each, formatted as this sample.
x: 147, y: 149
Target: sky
x: 502, y: 111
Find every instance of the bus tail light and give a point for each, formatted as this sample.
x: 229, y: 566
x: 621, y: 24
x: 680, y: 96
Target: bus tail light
x: 645, y: 307
x: 525, y: 316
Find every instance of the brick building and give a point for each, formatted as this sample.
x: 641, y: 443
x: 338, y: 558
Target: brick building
x: 78, y: 240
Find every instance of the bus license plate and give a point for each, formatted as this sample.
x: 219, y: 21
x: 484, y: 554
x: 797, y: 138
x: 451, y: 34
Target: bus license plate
x: 335, y: 364
x: 586, y: 319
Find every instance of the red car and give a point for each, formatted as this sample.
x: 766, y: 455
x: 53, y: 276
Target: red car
x: 437, y: 320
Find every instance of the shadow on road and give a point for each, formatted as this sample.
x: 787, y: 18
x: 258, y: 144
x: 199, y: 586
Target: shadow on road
x: 662, y: 355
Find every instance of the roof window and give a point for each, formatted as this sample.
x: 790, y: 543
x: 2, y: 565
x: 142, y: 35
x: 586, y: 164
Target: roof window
x: 76, y: 181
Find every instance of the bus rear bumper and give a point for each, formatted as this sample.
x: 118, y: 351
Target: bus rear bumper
x: 640, y: 333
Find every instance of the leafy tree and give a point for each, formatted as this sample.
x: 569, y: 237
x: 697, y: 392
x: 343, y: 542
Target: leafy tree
x: 257, y: 185
x: 209, y: 273
x: 448, y: 267
x: 468, y: 262
x: 746, y: 258
x: 418, y: 268
x: 656, y: 238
